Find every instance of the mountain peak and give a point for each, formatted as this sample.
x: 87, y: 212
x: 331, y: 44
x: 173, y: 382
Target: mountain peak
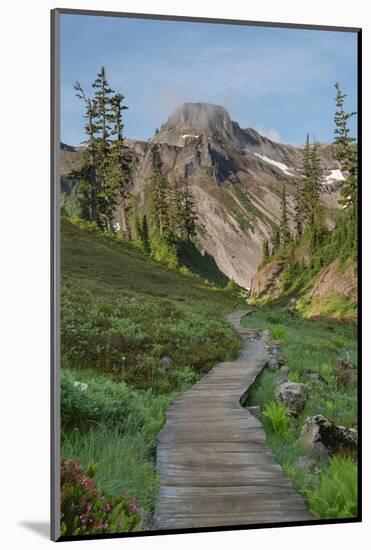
x: 205, y: 117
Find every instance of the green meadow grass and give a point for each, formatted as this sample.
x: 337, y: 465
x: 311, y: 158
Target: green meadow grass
x: 311, y: 347
x: 121, y: 312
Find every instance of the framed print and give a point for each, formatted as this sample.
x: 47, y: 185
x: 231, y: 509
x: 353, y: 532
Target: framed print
x: 206, y: 193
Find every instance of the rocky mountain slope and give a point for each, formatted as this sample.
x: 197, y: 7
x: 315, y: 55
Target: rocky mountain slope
x: 235, y: 174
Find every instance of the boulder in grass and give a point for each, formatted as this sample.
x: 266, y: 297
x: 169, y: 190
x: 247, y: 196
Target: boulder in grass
x: 280, y: 378
x: 166, y: 362
x: 293, y: 395
x: 272, y: 364
x: 335, y: 439
x: 319, y: 453
x: 81, y: 385
x: 255, y: 410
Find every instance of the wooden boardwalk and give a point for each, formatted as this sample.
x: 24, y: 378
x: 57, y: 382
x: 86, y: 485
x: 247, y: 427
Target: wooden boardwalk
x: 214, y: 464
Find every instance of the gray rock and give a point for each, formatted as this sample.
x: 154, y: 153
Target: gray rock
x: 315, y: 378
x: 318, y: 452
x: 277, y: 356
x: 166, y: 362
x: 306, y: 465
x: 335, y: 439
x: 280, y: 358
x: 255, y: 411
x: 293, y: 395
x: 280, y: 378
x: 272, y: 364
x: 81, y: 385
x: 274, y: 344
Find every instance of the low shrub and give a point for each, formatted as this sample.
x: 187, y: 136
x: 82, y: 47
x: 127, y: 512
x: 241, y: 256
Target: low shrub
x: 104, y: 400
x: 124, y: 460
x: 336, y: 496
x: 128, y: 337
x: 278, y: 333
x: 294, y: 376
x: 86, y: 511
x: 164, y: 252
x: 279, y: 420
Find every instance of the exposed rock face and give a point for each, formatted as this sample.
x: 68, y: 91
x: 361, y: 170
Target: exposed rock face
x: 266, y: 281
x: 331, y: 281
x: 235, y: 175
x: 293, y: 395
x: 335, y: 439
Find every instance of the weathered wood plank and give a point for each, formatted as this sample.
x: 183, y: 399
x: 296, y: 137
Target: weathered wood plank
x: 214, y: 464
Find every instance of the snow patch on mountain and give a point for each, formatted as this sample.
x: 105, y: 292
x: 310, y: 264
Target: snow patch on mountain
x: 280, y: 165
x: 185, y: 136
x: 335, y: 175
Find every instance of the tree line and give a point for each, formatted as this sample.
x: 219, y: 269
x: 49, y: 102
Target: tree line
x: 309, y: 211
x: 106, y: 175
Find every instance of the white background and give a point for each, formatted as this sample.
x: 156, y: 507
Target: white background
x: 24, y: 271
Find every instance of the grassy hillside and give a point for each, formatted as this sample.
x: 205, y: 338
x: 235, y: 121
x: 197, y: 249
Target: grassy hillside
x: 318, y: 272
x: 137, y: 333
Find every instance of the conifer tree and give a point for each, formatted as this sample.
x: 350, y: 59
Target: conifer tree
x: 138, y: 229
x: 305, y: 194
x: 316, y: 173
x: 145, y: 236
x: 159, y: 195
x: 311, y: 189
x: 346, y: 154
x: 121, y: 164
x: 183, y: 210
x: 190, y: 213
x: 298, y: 215
x: 276, y: 241
x: 265, y: 251
x: 104, y: 116
x: 285, y: 236
x: 87, y: 174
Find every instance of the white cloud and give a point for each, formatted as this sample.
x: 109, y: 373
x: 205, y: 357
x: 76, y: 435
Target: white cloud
x: 270, y: 134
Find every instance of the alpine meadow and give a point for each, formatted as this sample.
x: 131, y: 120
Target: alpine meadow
x: 208, y: 323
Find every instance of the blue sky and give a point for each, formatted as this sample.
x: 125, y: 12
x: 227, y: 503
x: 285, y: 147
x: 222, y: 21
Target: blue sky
x: 278, y: 81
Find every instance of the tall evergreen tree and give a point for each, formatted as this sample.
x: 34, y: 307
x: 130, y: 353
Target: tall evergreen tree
x: 276, y: 241
x: 346, y: 154
x: 306, y: 192
x: 87, y: 175
x: 284, y: 225
x: 311, y: 189
x: 183, y: 210
x: 265, y: 250
x: 190, y: 213
x: 145, y: 236
x: 121, y: 164
x: 316, y: 174
x: 159, y: 195
x: 108, y: 186
x: 138, y: 229
x: 298, y: 214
